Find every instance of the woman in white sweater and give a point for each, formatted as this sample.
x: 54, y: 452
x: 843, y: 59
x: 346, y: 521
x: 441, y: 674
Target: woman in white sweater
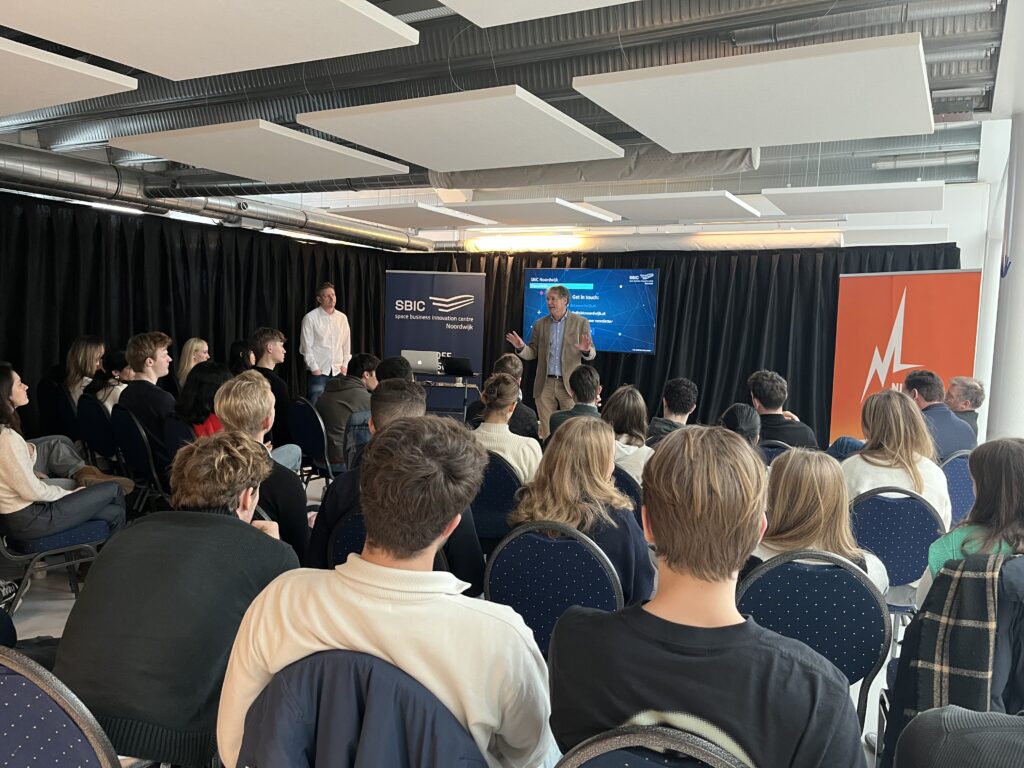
x: 626, y: 412
x: 30, y: 508
x: 499, y: 396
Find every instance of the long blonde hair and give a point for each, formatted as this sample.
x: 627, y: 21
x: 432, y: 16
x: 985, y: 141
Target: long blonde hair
x: 896, y: 434
x: 809, y: 505
x: 81, y: 360
x: 572, y: 485
x: 188, y: 358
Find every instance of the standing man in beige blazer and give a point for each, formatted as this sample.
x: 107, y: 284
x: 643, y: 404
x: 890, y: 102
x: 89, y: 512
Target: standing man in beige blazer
x: 558, y: 343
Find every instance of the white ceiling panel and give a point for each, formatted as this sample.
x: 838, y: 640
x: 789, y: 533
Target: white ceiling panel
x: 537, y: 212
x: 256, y: 149
x: 182, y: 39
x: 411, y: 216
x: 490, y: 13
x: 895, y: 235
x: 676, y: 206
x: 31, y: 79
x: 500, y: 127
x: 855, y: 89
x: 858, y: 198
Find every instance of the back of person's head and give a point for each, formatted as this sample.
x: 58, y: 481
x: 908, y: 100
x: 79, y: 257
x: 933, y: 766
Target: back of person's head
x: 997, y: 468
x: 195, y: 403
x: 704, y: 490
x: 396, y: 399
x: 187, y: 360
x: 680, y: 396
x: 895, y: 433
x: 573, y: 483
x: 969, y: 389
x: 585, y: 382
x: 212, y: 472
x: 263, y: 336
x: 768, y: 388
x: 500, y: 392
x: 145, y: 346
x: 8, y: 413
x: 114, y: 365
x: 361, y: 363
x: 626, y: 411
x: 808, y: 505
x: 240, y: 356
x: 244, y: 403
x: 394, y: 368
x: 928, y: 385
x: 511, y: 364
x: 417, y: 475
x: 85, y: 356
x: 744, y: 420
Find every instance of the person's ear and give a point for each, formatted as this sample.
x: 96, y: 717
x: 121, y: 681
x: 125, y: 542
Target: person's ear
x: 692, y: 409
x: 763, y: 526
x: 247, y: 500
x: 646, y: 524
x: 372, y: 426
x: 450, y: 528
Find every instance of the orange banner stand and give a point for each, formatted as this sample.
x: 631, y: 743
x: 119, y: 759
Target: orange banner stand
x: 893, y: 322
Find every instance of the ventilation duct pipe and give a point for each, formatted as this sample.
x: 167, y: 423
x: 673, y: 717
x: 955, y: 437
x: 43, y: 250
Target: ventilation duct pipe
x: 910, y: 162
x: 43, y: 171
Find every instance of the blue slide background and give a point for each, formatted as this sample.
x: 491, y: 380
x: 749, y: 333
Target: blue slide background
x: 621, y: 304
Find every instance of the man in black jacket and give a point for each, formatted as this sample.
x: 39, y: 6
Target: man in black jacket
x: 768, y: 391
x: 678, y: 401
x: 524, y: 418
x: 268, y: 346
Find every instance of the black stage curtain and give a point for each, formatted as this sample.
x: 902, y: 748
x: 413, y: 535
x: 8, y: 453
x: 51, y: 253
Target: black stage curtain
x: 69, y: 269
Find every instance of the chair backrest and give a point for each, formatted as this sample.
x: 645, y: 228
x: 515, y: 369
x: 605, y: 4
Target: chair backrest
x: 347, y: 537
x: 495, y: 500
x: 629, y: 486
x: 94, y: 425
x: 640, y: 745
x: 134, y: 445
x: 43, y: 723
x: 541, y: 569
x: 309, y: 433
x: 57, y: 409
x: 961, y: 487
x: 829, y: 604
x: 772, y: 449
x: 177, y: 433
x: 898, y: 527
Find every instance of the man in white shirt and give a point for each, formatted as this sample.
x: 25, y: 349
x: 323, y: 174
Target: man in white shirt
x: 478, y: 658
x: 326, y: 342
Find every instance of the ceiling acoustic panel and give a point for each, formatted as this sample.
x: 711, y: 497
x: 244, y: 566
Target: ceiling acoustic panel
x: 256, y: 149
x: 537, y: 212
x: 412, y: 216
x: 670, y: 207
x: 858, y: 198
x: 855, y: 89
x: 491, y: 13
x: 182, y: 39
x: 31, y: 79
x: 501, y: 127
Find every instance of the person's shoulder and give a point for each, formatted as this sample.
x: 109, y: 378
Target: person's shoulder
x: 498, y: 623
x: 589, y: 626
x: 800, y: 660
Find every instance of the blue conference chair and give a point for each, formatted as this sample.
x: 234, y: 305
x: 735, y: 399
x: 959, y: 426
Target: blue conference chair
x: 961, y: 486
x: 541, y: 569
x: 347, y: 537
x: 96, y: 431
x: 494, y: 501
x: 57, y: 409
x: 627, y: 485
x: 138, y: 456
x: 828, y: 604
x: 310, y: 435
x: 177, y: 434
x: 649, y: 745
x: 772, y: 449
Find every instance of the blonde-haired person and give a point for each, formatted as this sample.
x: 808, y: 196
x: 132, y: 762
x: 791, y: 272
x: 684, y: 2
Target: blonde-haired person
x: 809, y: 508
x: 626, y: 412
x: 573, y: 486
x: 85, y: 357
x: 194, y: 351
x: 898, y: 452
x: 500, y: 396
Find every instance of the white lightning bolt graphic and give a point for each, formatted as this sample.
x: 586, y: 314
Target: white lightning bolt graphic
x: 893, y: 352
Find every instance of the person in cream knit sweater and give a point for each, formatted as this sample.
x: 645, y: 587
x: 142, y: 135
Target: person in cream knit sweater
x: 499, y: 396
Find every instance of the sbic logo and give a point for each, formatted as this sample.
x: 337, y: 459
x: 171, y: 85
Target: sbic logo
x: 408, y: 305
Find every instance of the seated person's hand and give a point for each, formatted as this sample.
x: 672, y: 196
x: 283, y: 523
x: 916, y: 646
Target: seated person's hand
x: 41, y: 475
x: 790, y: 415
x: 269, y: 527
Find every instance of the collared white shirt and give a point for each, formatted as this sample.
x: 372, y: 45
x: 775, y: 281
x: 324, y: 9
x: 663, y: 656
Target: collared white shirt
x: 326, y: 343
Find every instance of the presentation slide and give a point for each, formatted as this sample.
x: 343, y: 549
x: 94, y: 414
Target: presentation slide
x: 621, y: 304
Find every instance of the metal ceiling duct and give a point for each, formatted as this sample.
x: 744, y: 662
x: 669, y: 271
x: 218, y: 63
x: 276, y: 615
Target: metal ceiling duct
x: 910, y: 162
x: 40, y: 170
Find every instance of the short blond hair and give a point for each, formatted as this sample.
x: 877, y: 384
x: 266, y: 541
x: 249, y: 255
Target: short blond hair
x: 244, y: 403
x: 212, y: 472
x: 704, y: 489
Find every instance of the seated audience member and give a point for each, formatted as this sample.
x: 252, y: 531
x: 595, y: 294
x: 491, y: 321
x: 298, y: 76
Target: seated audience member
x: 246, y: 404
x: 626, y: 412
x: 524, y: 418
x: 268, y: 346
x: 500, y: 397
x: 964, y: 397
x: 358, y: 433
x: 147, y: 643
x: 574, y: 486
x: 151, y: 405
x: 111, y: 379
x: 995, y: 523
x: 240, y: 357
x: 478, y: 658
x: 769, y: 391
x: 343, y: 396
x: 678, y: 401
x: 744, y: 420
x: 949, y: 433
x: 585, y: 384
x: 688, y: 657
x: 195, y: 403
x: 32, y: 509
x: 85, y: 358
x: 193, y: 352
x: 954, y: 737
x: 898, y: 452
x: 809, y: 508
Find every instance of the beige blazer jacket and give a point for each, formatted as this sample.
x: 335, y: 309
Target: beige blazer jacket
x: 540, y: 342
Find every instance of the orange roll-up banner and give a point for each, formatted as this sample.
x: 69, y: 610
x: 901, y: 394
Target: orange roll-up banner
x: 894, y: 322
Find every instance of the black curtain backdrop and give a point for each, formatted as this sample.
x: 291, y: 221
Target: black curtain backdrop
x: 69, y: 269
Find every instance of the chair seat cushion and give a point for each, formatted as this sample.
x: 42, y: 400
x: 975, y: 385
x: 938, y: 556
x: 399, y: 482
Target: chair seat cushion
x: 93, y: 532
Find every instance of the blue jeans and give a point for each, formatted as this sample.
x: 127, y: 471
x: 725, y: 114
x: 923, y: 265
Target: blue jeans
x: 289, y: 456
x: 315, y: 386
x: 844, y: 447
